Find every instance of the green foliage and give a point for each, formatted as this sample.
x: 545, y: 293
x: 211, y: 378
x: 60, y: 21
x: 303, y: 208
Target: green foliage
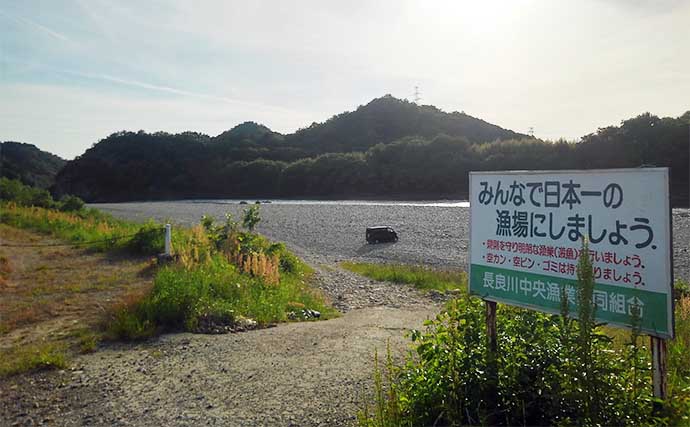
x: 386, y: 411
x: 17, y: 360
x: 549, y: 370
x: 219, y: 233
x: 681, y: 290
x: 148, y: 240
x: 71, y: 203
x: 216, y: 291
x: 447, y: 380
x: 419, y: 276
x: 29, y: 165
x: 126, y: 325
x: 14, y: 191
x: 289, y: 263
x: 251, y: 217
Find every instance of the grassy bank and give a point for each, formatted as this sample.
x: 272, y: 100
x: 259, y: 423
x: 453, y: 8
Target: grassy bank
x: 104, y: 232
x: 221, y: 277
x: 420, y: 277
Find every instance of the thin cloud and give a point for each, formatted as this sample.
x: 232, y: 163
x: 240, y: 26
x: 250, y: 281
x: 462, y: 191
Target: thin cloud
x: 172, y: 90
x: 36, y: 26
x: 157, y: 88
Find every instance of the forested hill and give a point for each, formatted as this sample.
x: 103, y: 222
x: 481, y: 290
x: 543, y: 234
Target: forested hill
x: 249, y: 159
x: 386, y: 149
x: 387, y: 119
x: 28, y: 164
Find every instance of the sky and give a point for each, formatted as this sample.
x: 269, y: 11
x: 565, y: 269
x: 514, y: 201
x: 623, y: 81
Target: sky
x: 72, y: 72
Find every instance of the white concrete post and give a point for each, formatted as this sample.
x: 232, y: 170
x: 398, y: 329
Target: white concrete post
x: 168, y: 240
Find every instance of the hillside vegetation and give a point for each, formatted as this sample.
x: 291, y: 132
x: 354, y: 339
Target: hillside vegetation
x: 250, y: 159
x: 28, y: 164
x: 389, y: 148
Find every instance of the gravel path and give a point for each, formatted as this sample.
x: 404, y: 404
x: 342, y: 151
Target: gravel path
x: 327, y: 233
x: 307, y: 374
x: 348, y: 291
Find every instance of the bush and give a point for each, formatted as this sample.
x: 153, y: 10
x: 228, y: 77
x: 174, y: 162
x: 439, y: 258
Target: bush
x: 14, y: 191
x: 251, y: 217
x: 128, y: 326
x: 148, y: 240
x: 71, y: 204
x: 539, y: 375
x: 681, y: 290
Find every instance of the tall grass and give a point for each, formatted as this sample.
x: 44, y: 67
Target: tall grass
x: 419, y: 276
x: 84, y: 226
x: 215, y: 291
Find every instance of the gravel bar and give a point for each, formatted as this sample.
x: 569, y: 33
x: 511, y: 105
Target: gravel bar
x: 326, y: 233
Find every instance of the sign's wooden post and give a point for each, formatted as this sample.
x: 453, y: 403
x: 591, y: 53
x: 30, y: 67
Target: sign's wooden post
x: 168, y: 240
x: 491, y: 325
x: 492, y: 362
x: 659, y: 367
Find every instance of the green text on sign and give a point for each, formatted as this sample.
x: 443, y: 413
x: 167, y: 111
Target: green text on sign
x: 615, y: 304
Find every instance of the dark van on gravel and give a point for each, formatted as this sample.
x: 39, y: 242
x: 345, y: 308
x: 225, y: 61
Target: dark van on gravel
x: 381, y: 234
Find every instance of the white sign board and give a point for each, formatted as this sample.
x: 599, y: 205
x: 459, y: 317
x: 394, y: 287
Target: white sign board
x: 526, y: 230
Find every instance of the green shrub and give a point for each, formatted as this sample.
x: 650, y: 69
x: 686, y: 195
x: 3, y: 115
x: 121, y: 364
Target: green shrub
x: 681, y: 290
x: 13, y: 190
x: 71, y: 204
x: 251, y: 217
x: 126, y: 325
x: 148, y: 240
x: 548, y: 370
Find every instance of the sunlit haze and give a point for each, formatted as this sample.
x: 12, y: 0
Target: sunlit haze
x: 72, y: 72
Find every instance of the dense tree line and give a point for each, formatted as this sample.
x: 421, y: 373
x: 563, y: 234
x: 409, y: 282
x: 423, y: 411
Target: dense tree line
x: 359, y: 154
x: 13, y: 190
x: 28, y: 164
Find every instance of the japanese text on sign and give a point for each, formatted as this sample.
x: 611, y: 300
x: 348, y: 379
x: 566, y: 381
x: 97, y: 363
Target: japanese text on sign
x: 527, y: 228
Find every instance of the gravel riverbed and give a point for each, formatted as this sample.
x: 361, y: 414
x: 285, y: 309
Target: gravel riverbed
x: 327, y: 232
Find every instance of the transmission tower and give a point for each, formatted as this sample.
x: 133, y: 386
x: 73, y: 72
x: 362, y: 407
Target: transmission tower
x: 416, y: 95
x: 530, y: 131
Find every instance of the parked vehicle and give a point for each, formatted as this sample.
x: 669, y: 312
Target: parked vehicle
x: 381, y: 234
